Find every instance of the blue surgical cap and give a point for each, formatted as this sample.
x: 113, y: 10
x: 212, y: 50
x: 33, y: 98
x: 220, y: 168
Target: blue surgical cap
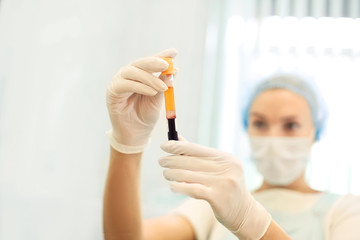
x: 299, y: 85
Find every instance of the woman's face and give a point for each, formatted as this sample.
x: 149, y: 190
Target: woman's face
x: 280, y: 113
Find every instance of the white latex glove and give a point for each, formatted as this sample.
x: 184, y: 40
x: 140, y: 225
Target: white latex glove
x: 134, y: 99
x: 218, y: 178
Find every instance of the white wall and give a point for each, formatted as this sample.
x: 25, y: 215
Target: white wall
x: 56, y: 59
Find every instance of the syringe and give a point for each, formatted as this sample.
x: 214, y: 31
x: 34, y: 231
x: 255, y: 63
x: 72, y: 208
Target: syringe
x: 169, y: 99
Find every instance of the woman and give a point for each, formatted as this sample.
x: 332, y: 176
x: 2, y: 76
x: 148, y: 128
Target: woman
x: 282, y: 119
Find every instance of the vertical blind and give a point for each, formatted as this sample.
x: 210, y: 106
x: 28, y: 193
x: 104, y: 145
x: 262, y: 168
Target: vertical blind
x: 304, y: 8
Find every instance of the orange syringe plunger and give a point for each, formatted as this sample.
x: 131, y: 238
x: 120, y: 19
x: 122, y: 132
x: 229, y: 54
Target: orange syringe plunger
x: 169, y: 99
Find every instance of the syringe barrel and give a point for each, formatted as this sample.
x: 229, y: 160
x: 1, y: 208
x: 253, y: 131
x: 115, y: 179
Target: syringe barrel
x: 169, y: 98
x: 169, y: 93
x: 168, y: 76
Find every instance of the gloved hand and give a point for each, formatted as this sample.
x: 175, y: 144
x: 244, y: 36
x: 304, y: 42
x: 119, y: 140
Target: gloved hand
x: 134, y: 99
x: 217, y: 177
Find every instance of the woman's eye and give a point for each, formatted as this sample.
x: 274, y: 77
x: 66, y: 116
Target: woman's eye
x: 291, y: 126
x: 259, y: 124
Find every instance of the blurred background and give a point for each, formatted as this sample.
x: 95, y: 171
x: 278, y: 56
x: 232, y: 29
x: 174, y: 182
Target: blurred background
x: 57, y: 57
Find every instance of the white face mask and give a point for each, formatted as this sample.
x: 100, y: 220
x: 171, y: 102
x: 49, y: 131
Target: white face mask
x: 280, y: 160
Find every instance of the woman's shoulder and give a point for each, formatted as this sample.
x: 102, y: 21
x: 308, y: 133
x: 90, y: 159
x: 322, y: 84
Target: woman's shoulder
x: 199, y: 214
x: 346, y: 207
x: 348, y: 201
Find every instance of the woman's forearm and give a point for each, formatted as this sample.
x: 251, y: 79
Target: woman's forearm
x: 122, y: 209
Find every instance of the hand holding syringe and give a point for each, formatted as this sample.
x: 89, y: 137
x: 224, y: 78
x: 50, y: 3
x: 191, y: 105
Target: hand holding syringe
x: 134, y: 100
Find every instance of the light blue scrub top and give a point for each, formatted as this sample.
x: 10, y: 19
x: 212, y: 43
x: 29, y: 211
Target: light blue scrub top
x: 309, y: 224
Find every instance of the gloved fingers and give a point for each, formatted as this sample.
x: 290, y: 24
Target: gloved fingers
x: 188, y: 163
x: 193, y: 190
x: 189, y: 149
x: 119, y: 88
x: 170, y: 52
x: 156, y: 100
x: 136, y: 74
x: 180, y: 175
x: 151, y: 64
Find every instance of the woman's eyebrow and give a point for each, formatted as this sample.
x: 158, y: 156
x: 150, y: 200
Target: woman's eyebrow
x: 289, y: 118
x: 259, y: 115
